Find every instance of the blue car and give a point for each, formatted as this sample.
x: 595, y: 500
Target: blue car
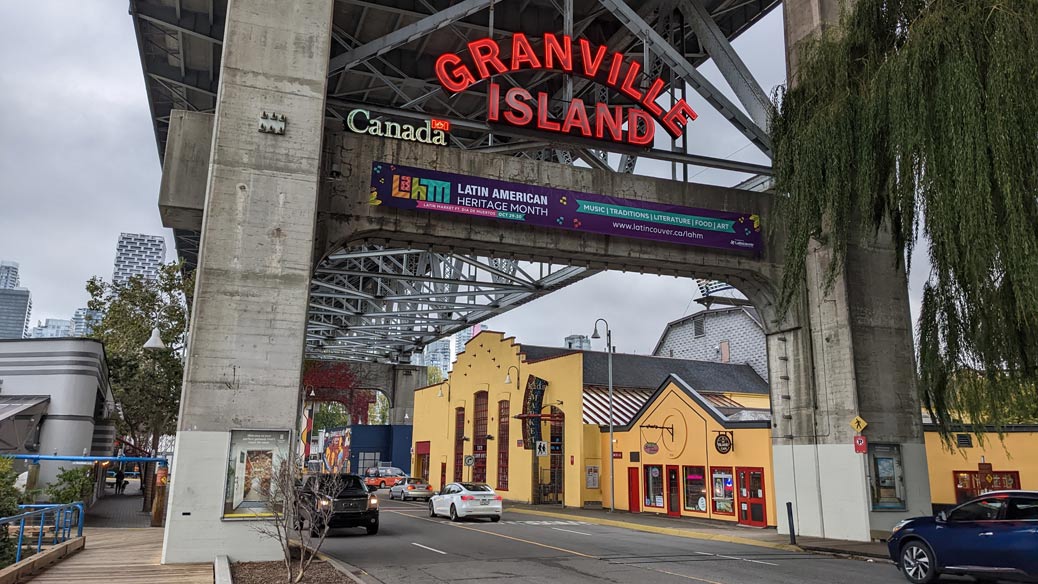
x: 992, y: 537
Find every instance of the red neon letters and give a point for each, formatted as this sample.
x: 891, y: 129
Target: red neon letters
x: 486, y: 57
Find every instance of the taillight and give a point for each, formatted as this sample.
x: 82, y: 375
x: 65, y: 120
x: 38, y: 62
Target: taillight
x: 428, y: 487
x: 497, y: 497
x: 410, y: 487
x: 467, y: 498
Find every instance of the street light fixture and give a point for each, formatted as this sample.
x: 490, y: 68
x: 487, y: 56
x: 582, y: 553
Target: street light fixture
x: 154, y: 342
x: 508, y: 377
x: 439, y: 392
x: 609, y: 358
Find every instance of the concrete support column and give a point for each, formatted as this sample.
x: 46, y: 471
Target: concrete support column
x: 248, y: 325
x: 859, y: 345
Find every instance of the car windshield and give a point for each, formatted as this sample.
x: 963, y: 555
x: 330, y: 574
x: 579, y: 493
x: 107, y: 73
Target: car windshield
x: 338, y: 483
x: 477, y: 487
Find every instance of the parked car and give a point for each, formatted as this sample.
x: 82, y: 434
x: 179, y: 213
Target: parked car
x: 411, y: 488
x: 458, y: 500
x: 992, y: 537
x: 383, y: 476
x: 350, y: 503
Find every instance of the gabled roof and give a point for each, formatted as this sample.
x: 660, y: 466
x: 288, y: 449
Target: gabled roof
x: 745, y: 418
x: 750, y: 311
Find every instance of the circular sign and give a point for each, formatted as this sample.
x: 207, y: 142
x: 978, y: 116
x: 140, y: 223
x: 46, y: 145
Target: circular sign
x: 651, y: 448
x: 470, y: 460
x: 702, y: 504
x: 723, y: 443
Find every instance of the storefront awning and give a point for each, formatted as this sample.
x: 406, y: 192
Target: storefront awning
x: 626, y: 403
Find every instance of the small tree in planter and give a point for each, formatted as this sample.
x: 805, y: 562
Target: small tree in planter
x: 301, y: 511
x: 71, y: 485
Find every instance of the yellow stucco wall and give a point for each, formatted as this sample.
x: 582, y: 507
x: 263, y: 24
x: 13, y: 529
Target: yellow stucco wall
x: 1019, y: 452
x: 692, y: 445
x: 487, y: 359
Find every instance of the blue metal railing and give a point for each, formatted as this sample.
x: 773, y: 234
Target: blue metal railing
x: 61, y: 517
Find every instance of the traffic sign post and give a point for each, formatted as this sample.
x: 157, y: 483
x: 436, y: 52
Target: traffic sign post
x: 858, y: 423
x: 861, y: 444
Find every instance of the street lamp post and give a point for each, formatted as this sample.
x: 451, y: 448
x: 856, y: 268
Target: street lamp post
x: 609, y: 359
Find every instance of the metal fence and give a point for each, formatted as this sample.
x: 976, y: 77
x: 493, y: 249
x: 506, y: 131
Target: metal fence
x: 34, y: 524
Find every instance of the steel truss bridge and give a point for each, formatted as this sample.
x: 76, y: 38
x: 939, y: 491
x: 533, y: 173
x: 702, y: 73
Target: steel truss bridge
x: 380, y: 304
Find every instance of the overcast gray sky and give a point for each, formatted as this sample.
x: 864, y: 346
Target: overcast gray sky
x: 79, y: 165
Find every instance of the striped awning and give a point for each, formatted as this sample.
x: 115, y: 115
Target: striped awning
x: 626, y: 403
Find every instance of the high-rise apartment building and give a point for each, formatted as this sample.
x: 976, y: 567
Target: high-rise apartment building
x: 53, y: 328
x: 138, y: 255
x: 8, y: 274
x: 15, y: 309
x: 83, y: 322
x: 464, y: 335
x: 438, y: 354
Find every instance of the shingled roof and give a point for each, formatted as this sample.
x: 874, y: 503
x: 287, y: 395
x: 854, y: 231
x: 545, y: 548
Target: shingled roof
x: 644, y: 371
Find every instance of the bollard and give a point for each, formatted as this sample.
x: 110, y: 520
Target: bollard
x: 792, y: 531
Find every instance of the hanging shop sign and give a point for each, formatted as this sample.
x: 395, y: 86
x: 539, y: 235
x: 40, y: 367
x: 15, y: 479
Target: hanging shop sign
x: 651, y: 448
x: 723, y: 443
x: 404, y: 187
x: 433, y: 131
x: 519, y: 107
x: 532, y: 403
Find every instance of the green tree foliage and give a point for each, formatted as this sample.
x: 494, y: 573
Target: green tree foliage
x: 918, y: 116
x: 330, y: 415
x: 9, y: 498
x: 146, y: 383
x: 71, y: 485
x: 434, y: 373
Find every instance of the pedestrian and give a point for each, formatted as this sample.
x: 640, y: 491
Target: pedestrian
x: 120, y: 484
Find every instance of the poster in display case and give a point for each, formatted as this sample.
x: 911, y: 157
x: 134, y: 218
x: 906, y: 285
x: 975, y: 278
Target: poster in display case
x: 250, y: 468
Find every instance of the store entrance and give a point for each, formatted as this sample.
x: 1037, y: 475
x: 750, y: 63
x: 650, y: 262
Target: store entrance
x: 751, y: 504
x: 673, y: 492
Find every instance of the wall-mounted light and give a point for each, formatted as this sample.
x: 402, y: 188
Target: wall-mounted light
x: 490, y: 436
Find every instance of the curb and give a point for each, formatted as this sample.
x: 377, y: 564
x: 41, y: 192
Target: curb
x: 686, y: 533
x: 846, y: 553
x: 351, y: 572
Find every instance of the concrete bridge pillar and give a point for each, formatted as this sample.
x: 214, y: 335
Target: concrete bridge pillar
x: 855, y: 359
x: 244, y: 353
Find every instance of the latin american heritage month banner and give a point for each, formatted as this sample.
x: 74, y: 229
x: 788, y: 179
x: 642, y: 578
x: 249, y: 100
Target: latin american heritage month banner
x: 405, y: 187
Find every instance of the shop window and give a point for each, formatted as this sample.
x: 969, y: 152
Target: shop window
x: 887, y: 480
x: 970, y: 484
x: 502, y: 445
x: 653, y: 486
x: 695, y: 488
x: 723, y: 495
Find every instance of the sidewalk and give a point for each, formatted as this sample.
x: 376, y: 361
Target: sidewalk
x: 121, y: 547
x: 704, y: 529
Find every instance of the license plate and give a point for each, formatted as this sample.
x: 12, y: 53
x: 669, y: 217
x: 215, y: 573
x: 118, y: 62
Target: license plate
x: 484, y: 501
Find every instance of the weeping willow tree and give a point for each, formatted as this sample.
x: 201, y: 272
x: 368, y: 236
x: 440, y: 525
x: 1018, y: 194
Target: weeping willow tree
x: 920, y: 118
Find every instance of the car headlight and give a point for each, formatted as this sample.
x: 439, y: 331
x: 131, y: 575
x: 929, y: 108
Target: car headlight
x: 372, y: 502
x: 900, y: 525
x: 323, y: 502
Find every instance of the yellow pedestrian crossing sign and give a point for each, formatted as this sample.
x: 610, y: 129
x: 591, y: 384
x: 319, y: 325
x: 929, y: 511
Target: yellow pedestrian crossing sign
x: 858, y: 423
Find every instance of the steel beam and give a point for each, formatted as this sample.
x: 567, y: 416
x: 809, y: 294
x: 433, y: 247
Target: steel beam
x: 731, y: 66
x: 196, y: 24
x: 406, y: 34
x: 687, y: 72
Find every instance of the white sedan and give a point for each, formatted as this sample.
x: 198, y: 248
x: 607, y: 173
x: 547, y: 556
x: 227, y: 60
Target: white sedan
x: 458, y: 500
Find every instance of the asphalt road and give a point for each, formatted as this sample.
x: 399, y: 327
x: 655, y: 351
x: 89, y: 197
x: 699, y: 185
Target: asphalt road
x: 411, y: 547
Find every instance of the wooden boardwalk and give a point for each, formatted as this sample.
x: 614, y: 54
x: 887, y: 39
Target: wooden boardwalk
x: 116, y: 555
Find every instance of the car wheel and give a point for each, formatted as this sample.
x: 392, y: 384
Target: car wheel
x: 917, y: 563
x: 432, y: 510
x: 372, y: 529
x: 495, y: 518
x: 382, y: 485
x: 454, y: 514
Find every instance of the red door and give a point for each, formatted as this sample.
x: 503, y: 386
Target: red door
x: 634, y: 500
x: 673, y: 492
x: 751, y: 504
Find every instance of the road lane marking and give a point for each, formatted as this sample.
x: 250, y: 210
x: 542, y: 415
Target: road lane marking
x: 686, y: 576
x: 501, y: 535
x: 425, y: 547
x: 570, y: 531
x: 743, y: 559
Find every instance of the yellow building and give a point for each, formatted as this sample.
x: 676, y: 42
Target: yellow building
x: 691, y: 438
x: 968, y: 468
x: 561, y: 399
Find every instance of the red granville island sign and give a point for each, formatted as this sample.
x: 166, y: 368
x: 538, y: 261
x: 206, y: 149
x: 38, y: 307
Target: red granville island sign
x: 521, y: 108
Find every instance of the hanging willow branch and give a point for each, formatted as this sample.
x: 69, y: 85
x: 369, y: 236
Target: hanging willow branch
x: 921, y: 117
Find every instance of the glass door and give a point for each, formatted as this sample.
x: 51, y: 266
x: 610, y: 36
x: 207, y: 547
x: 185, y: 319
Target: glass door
x: 752, y: 506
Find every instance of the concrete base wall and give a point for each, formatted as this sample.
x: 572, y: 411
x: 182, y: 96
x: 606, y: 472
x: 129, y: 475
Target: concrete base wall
x: 193, y: 519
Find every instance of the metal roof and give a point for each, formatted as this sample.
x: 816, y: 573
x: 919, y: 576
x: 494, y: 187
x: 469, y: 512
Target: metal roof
x: 382, y: 58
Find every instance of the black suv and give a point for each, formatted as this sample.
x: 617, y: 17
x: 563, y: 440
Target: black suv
x: 350, y: 503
